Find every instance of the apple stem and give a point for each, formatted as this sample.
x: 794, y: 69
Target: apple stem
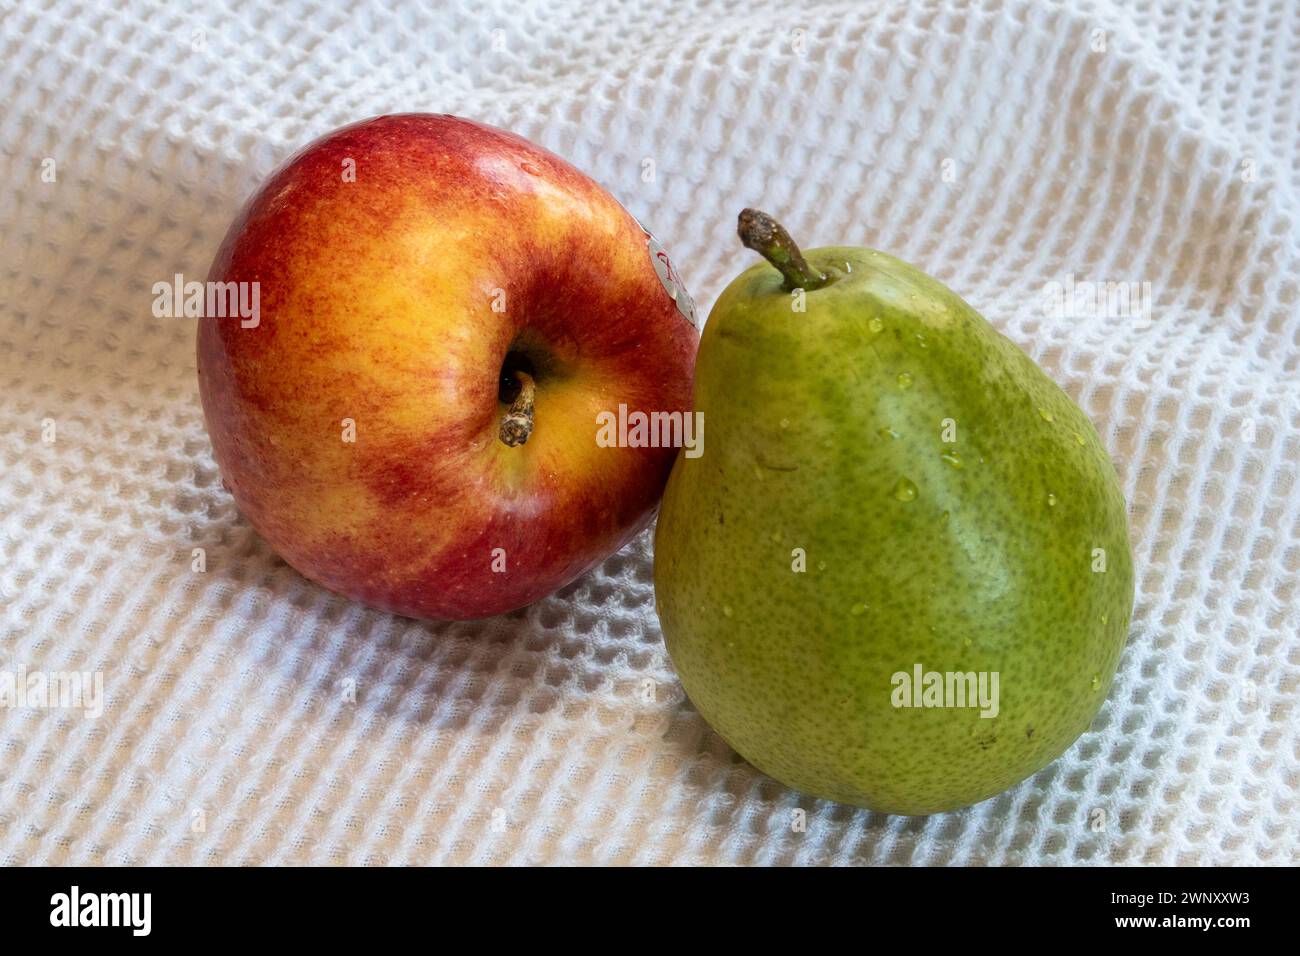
x: 767, y: 237
x: 517, y: 424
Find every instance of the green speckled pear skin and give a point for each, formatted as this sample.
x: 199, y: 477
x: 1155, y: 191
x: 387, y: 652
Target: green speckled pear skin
x: 825, y: 432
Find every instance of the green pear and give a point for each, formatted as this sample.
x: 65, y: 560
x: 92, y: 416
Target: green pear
x: 899, y: 574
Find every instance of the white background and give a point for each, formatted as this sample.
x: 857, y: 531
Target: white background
x: 1168, y: 156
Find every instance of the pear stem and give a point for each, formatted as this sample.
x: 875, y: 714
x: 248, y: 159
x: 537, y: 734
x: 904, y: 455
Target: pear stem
x: 767, y: 237
x: 517, y: 424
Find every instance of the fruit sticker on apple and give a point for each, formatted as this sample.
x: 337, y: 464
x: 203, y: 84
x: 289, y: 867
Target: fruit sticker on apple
x: 445, y: 311
x: 672, y: 282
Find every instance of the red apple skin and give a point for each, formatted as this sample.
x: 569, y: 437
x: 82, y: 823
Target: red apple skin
x: 376, y: 305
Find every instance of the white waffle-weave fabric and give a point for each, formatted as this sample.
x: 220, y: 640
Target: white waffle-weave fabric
x: 1000, y: 145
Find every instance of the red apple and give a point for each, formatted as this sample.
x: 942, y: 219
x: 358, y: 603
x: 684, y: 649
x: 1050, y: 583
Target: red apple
x: 408, y: 268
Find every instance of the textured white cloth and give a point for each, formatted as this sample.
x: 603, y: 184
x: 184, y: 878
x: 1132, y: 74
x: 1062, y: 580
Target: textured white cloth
x: 999, y: 145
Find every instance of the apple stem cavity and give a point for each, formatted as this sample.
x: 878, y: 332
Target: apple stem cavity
x: 767, y: 237
x: 517, y: 424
